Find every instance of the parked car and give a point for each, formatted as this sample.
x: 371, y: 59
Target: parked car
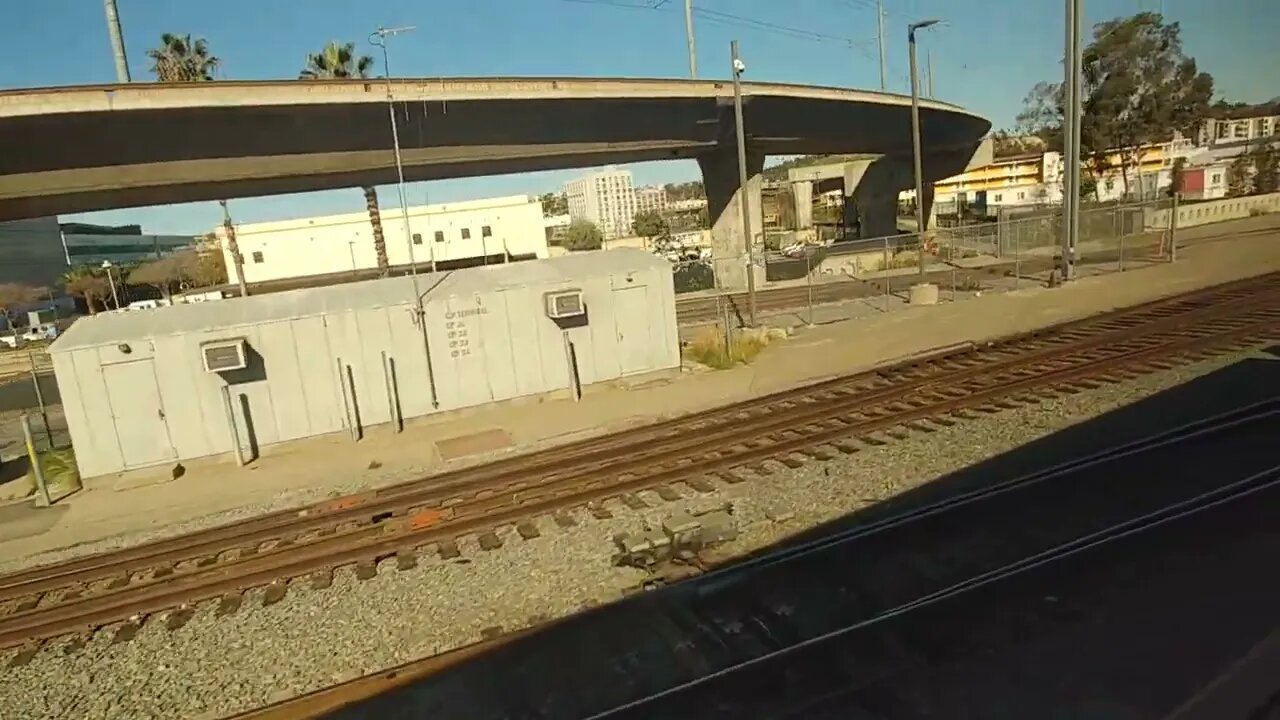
x: 11, y: 341
x: 36, y: 333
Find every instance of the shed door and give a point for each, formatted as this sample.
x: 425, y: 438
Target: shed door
x: 139, y: 417
x: 631, y: 318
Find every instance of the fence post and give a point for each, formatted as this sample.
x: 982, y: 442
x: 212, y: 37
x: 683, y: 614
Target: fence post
x: 1173, y: 228
x: 34, y: 458
x: 1017, y: 257
x: 884, y: 268
x: 808, y: 279
x: 44, y: 414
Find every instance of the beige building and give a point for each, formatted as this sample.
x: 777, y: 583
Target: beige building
x: 607, y: 198
x: 651, y: 198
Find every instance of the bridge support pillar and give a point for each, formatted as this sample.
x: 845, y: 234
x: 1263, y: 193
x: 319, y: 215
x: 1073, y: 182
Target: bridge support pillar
x: 871, y: 189
x: 802, y: 193
x: 724, y: 198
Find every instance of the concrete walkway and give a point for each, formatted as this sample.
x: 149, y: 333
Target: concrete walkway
x: 139, y: 505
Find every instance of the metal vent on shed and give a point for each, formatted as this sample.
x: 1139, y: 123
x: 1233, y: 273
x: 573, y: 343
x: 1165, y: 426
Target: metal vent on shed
x: 223, y: 355
x: 564, y: 304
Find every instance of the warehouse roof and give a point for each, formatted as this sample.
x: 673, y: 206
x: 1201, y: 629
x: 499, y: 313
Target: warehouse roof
x: 110, y: 328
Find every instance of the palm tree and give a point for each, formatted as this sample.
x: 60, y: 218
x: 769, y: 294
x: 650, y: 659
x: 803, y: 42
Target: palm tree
x: 180, y: 59
x: 336, y: 61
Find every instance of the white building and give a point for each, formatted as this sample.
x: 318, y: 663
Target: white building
x: 1241, y: 130
x: 173, y: 383
x: 606, y: 198
x: 651, y: 198
x: 461, y: 234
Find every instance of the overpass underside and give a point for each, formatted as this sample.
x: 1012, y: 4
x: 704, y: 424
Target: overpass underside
x: 137, y: 145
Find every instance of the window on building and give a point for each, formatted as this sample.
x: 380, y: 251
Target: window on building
x: 257, y: 256
x: 1022, y: 196
x: 997, y: 197
x: 417, y: 238
x: 466, y: 233
x: 486, y: 231
x: 439, y: 236
x: 1110, y: 184
x: 1216, y: 178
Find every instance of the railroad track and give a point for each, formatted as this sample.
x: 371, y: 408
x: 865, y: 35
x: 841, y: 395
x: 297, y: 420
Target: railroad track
x: 164, y: 580
x: 707, y: 308
x: 965, y: 573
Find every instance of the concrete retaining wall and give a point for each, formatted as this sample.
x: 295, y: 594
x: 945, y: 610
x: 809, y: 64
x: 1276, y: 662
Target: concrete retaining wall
x: 1215, y: 211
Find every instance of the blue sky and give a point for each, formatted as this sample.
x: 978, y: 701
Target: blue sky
x: 986, y: 57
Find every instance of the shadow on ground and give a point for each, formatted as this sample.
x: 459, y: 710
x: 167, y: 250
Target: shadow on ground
x: 597, y: 662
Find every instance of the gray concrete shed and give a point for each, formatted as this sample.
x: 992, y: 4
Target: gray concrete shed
x: 148, y: 387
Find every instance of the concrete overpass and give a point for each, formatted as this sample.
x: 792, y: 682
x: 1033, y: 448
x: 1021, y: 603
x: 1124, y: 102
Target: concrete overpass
x: 872, y: 184
x: 76, y: 149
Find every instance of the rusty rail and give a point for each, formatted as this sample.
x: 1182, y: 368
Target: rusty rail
x: 80, y: 596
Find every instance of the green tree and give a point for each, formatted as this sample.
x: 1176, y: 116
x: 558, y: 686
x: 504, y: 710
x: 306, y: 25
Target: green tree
x: 89, y: 284
x: 1266, y: 169
x: 181, y: 59
x: 1240, y: 177
x: 1139, y: 87
x: 649, y: 224
x: 554, y: 204
x: 161, y: 274
x: 1041, y: 115
x: 335, y: 62
x: 1175, y: 176
x: 13, y: 295
x: 583, y: 235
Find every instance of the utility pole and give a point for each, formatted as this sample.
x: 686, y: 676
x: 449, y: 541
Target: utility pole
x: 880, y: 39
x: 928, y: 70
x: 744, y: 194
x: 379, y: 38
x: 688, y: 36
x: 233, y: 247
x: 117, y: 41
x: 1072, y: 60
x: 915, y: 136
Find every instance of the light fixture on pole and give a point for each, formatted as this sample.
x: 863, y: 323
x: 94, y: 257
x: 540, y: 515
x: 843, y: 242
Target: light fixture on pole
x: 379, y: 38
x: 915, y: 136
x: 689, y: 39
x: 738, y: 67
x: 115, y: 297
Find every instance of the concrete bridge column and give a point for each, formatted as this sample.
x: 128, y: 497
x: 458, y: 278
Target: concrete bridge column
x: 802, y: 193
x: 872, y: 187
x: 724, y: 198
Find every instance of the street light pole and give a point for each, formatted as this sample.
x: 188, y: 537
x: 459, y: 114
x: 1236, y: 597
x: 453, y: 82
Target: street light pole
x: 1072, y: 62
x: 737, y: 67
x: 880, y: 40
x: 379, y: 38
x: 115, y: 297
x: 688, y: 36
x: 117, y: 41
x: 915, y: 137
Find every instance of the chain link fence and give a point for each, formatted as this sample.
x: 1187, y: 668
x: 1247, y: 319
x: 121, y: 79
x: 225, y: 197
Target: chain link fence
x: 828, y: 282
x: 27, y: 388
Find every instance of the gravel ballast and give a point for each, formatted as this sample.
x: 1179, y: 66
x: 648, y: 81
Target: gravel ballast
x: 216, y: 666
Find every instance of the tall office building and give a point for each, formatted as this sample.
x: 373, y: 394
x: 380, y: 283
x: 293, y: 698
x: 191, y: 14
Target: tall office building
x: 607, y: 198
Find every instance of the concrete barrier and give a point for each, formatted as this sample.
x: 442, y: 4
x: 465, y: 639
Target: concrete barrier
x: 1203, y: 213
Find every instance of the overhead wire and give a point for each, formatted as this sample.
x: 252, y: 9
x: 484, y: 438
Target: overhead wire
x: 732, y: 20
